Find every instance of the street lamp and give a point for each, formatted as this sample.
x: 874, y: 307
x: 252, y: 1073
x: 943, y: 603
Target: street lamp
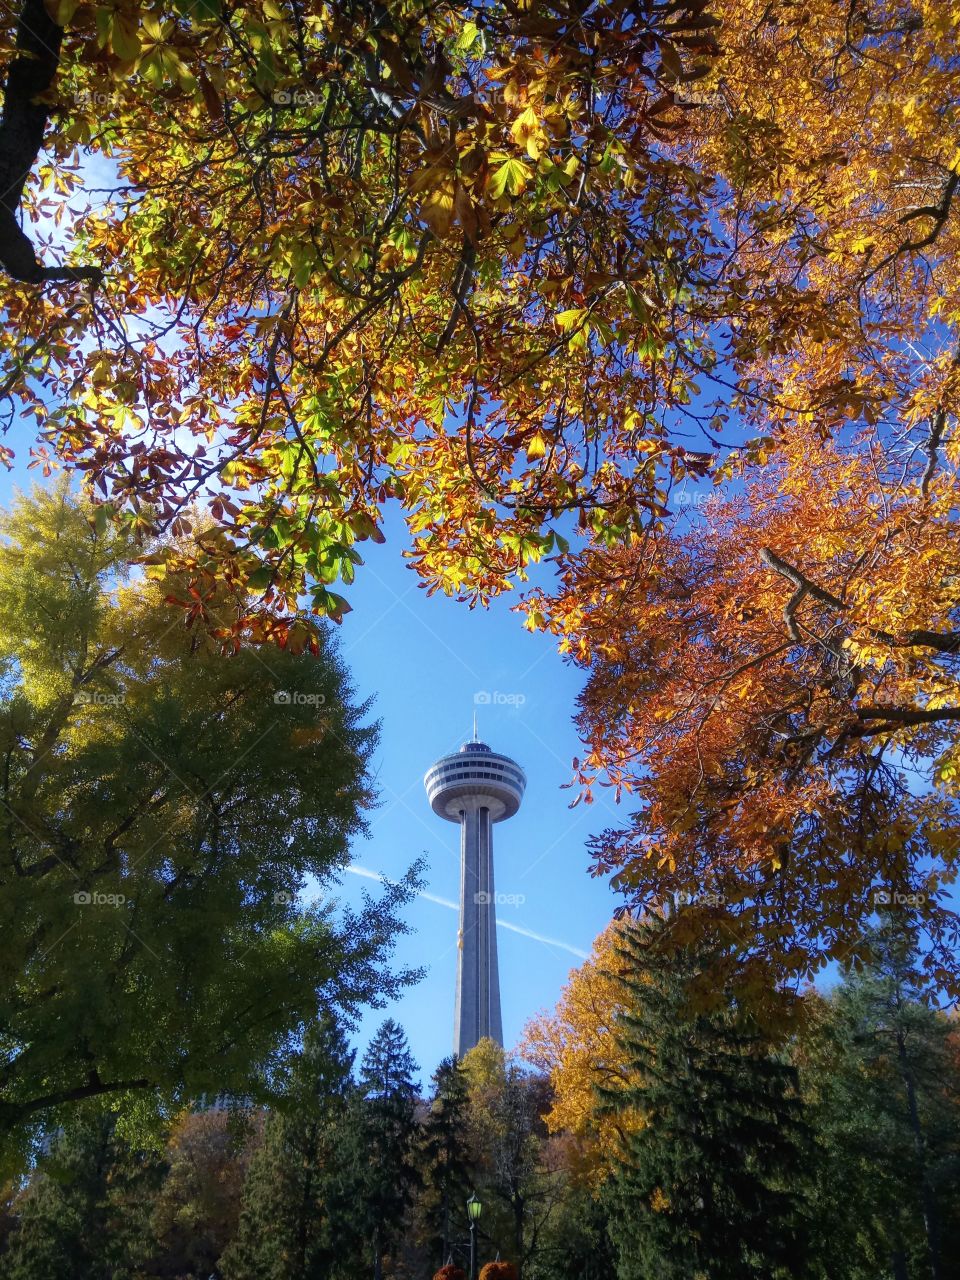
x: 474, y: 1208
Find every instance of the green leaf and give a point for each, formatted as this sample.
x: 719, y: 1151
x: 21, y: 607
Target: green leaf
x: 467, y: 37
x: 511, y: 179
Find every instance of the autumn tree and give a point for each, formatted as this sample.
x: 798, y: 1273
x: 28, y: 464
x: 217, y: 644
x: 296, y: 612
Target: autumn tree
x: 162, y: 809
x: 496, y: 264
x: 765, y: 688
x: 577, y: 1046
x: 516, y: 1165
x: 195, y: 1211
x: 356, y: 219
x: 530, y: 274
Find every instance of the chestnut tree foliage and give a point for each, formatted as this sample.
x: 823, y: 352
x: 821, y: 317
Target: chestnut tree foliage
x: 538, y: 271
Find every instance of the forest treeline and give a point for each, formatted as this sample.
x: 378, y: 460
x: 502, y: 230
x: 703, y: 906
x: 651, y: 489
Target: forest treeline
x: 674, y: 1139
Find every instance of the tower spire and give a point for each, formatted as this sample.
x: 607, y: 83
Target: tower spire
x: 475, y: 738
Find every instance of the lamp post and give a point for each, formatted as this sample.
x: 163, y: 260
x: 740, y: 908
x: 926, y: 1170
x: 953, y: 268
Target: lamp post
x: 474, y: 1208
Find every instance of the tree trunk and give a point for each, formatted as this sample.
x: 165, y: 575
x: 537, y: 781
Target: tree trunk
x: 927, y: 1202
x: 518, y: 1216
x: 22, y: 126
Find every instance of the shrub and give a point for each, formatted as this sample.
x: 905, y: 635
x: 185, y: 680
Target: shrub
x: 498, y: 1271
x: 450, y: 1272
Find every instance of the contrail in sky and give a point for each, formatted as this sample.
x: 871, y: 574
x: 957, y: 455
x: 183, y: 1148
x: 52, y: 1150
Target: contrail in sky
x: 366, y: 874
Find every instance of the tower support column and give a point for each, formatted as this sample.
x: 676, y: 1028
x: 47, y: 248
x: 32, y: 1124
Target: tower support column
x: 477, y: 1006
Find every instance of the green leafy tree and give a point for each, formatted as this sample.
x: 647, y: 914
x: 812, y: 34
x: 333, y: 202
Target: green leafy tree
x: 522, y: 1179
x: 710, y: 1185
x: 576, y: 1243
x: 292, y: 1226
x: 161, y: 806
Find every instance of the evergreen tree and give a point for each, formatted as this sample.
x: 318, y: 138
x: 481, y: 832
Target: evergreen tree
x: 388, y: 1125
x: 445, y: 1157
x: 85, y: 1212
x: 290, y: 1225
x: 708, y: 1186
x: 880, y: 1071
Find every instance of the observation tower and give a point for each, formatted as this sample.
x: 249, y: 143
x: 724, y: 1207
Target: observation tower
x: 476, y: 787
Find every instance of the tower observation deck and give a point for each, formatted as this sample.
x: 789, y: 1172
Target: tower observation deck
x: 476, y: 787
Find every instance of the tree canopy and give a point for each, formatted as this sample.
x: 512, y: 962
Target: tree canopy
x: 161, y: 809
x: 540, y: 273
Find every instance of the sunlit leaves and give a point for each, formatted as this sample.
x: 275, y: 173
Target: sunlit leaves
x: 510, y: 178
x: 780, y: 710
x: 334, y: 304
x: 517, y: 270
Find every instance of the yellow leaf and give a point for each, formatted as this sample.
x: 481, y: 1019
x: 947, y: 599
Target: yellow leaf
x: 437, y: 207
x: 537, y: 447
x: 568, y: 320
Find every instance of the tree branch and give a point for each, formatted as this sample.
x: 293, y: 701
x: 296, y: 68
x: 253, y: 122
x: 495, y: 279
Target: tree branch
x: 918, y: 638
x: 30, y: 78
x: 13, y: 1113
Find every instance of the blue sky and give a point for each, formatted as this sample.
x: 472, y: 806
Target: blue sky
x: 429, y: 664
x: 425, y: 661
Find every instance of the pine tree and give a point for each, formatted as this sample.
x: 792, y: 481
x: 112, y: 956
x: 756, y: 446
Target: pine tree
x: 708, y: 1186
x: 85, y: 1211
x: 445, y: 1158
x: 389, y: 1127
x: 880, y: 1070
x: 289, y: 1225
